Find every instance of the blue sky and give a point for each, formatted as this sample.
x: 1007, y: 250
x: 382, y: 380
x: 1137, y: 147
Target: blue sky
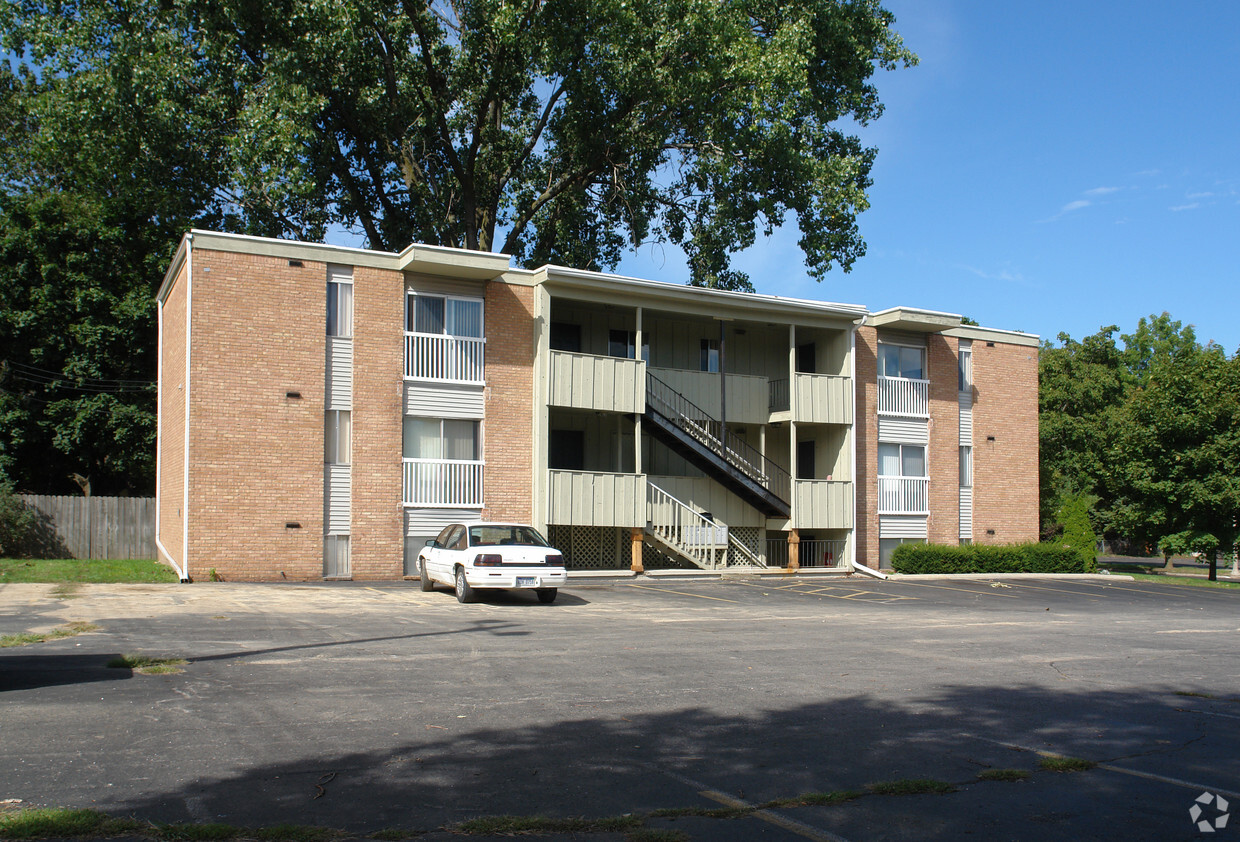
x: 1049, y: 166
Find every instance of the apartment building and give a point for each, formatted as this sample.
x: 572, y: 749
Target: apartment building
x: 323, y: 411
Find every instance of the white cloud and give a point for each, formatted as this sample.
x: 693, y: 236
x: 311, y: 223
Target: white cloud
x: 1198, y: 195
x: 1189, y: 206
x: 1102, y: 191
x: 1071, y: 206
x: 1001, y: 275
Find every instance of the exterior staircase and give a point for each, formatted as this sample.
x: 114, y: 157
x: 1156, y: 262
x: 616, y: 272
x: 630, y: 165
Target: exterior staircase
x: 685, y: 533
x: 703, y: 440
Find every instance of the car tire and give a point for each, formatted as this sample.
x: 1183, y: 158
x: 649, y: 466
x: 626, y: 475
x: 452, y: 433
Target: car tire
x: 464, y: 591
x: 423, y: 580
x: 546, y: 595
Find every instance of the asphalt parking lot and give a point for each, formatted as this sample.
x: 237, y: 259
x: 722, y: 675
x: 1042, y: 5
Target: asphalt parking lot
x: 363, y: 707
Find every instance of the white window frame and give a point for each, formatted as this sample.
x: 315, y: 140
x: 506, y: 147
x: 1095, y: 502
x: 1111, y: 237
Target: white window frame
x: 339, y: 307
x: 337, y: 437
x: 411, y: 297
x: 966, y: 466
x: 921, y: 349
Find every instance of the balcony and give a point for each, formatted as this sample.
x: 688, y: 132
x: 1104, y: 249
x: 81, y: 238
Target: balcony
x: 822, y: 399
x: 445, y: 358
x: 442, y: 483
x: 904, y: 396
x: 603, y: 384
x: 590, y: 498
x: 823, y: 504
x: 903, y: 495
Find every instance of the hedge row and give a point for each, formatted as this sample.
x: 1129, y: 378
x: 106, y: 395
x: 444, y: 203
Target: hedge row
x: 984, y: 558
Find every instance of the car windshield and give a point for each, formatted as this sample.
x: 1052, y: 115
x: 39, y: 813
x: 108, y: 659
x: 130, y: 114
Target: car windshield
x: 494, y: 534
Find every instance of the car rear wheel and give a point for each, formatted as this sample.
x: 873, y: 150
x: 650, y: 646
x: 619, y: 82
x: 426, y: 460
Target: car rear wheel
x: 423, y: 579
x: 464, y: 592
x: 546, y: 595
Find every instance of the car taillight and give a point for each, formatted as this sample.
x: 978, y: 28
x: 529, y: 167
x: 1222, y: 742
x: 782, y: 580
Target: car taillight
x: 488, y: 560
x: 555, y: 560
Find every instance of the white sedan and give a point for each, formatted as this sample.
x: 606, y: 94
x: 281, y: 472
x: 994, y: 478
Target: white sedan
x: 470, y: 556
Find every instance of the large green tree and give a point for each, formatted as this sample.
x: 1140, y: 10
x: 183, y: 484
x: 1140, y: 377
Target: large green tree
x: 1149, y: 431
x: 553, y: 130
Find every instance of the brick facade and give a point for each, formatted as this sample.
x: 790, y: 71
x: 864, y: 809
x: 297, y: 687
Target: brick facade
x: 943, y: 454
x: 508, y: 433
x: 377, y: 521
x: 865, y: 428
x: 1005, y: 443
x: 171, y: 445
x: 256, y: 454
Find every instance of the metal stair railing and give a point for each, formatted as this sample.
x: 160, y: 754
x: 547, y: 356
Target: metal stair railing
x: 698, y: 538
x: 709, y: 432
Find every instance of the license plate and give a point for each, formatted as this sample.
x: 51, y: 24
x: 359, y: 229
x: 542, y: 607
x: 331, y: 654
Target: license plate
x: 527, y: 581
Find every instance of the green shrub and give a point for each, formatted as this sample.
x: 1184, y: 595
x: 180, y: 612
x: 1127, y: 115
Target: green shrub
x: 987, y: 558
x: 15, y: 520
x: 1078, y: 532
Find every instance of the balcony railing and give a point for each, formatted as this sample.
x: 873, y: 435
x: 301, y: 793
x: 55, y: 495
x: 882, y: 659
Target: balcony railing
x: 811, y: 553
x: 778, y: 399
x: 903, y: 495
x: 904, y: 396
x: 437, y: 356
x: 442, y: 482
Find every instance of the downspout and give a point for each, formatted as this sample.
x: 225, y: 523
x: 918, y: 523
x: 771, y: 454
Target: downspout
x: 189, y: 311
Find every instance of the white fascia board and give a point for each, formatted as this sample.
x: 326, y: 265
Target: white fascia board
x: 178, y: 260
x: 914, y: 320
x: 454, y: 263
x: 716, y: 303
x: 994, y: 334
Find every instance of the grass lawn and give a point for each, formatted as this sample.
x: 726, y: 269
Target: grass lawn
x: 1191, y: 581
x: 138, y: 570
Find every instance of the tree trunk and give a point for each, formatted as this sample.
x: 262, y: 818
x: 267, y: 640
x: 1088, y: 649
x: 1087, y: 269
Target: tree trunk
x: 1213, y: 556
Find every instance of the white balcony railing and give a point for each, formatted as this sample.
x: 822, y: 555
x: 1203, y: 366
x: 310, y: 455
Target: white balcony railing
x: 904, y: 396
x: 437, y: 356
x: 442, y: 482
x: 903, y: 495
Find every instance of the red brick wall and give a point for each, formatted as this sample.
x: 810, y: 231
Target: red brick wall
x: 378, y: 370
x: 1005, y: 470
x: 943, y: 455
x: 508, y: 446
x: 171, y: 443
x: 256, y: 456
x: 865, y: 472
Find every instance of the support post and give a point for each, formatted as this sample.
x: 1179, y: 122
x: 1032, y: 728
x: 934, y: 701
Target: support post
x: 636, y: 551
x: 794, y: 550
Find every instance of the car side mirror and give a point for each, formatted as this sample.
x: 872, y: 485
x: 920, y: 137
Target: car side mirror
x: 432, y: 543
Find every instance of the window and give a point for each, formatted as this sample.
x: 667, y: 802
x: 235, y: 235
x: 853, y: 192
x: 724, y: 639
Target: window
x: 435, y: 438
x: 621, y: 343
x: 901, y: 460
x: 566, y: 337
x: 805, y: 460
x: 966, y: 368
x: 807, y: 358
x: 336, y: 437
x: 901, y: 361
x: 966, y: 466
x: 567, y: 450
x: 339, y: 309
x: 437, y: 314
x: 710, y: 355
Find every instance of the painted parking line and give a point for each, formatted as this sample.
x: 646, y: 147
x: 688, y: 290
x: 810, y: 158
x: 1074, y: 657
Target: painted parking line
x: 988, y: 592
x: 838, y: 592
x: 1023, y: 586
x: 682, y: 593
x: 807, y: 831
x: 1136, y: 773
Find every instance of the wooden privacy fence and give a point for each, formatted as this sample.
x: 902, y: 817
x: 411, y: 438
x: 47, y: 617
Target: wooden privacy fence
x: 93, y: 527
